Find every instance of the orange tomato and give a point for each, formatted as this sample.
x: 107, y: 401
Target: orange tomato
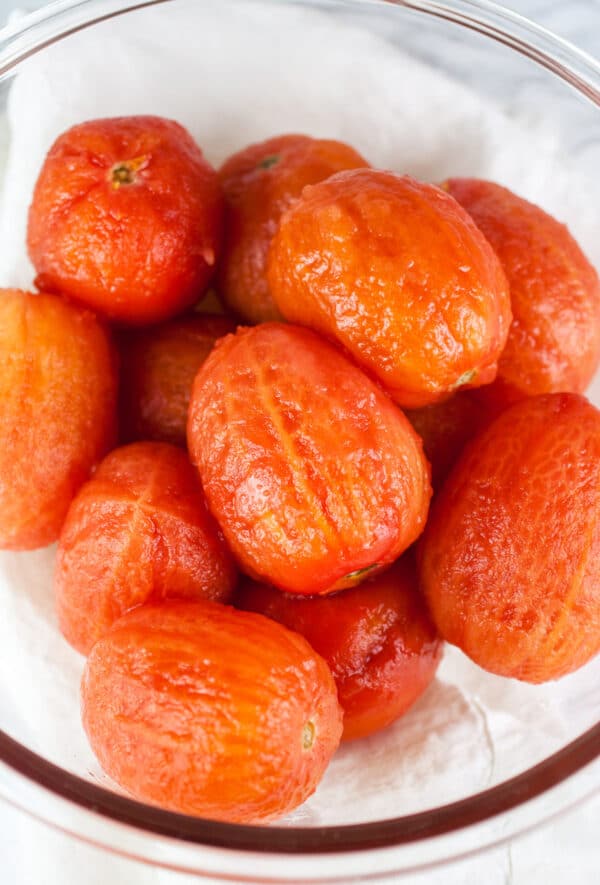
x: 260, y: 183
x: 315, y: 477
x: 58, y: 391
x: 158, y: 367
x: 554, y: 340
x: 510, y: 560
x: 209, y: 711
x: 446, y: 428
x: 126, y: 217
x: 397, y: 272
x: 378, y: 639
x: 139, y: 530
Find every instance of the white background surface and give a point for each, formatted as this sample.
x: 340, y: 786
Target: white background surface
x: 565, y: 851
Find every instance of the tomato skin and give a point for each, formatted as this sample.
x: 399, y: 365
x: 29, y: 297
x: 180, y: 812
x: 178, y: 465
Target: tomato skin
x: 554, y: 340
x: 377, y: 638
x: 314, y: 475
x: 209, y: 711
x: 510, y: 559
x: 260, y: 182
x: 58, y: 392
x: 138, y: 531
x: 446, y: 428
x: 158, y: 367
x: 397, y: 272
x: 127, y: 218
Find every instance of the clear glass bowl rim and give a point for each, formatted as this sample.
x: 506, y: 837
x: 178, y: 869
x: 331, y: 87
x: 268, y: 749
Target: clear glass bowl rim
x: 30, y: 35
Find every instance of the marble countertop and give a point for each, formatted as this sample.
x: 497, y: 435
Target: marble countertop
x: 563, y: 851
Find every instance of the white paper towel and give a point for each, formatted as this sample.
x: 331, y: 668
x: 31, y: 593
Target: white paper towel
x: 219, y: 70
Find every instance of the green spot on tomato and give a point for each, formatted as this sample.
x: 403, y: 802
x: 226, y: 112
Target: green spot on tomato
x: 361, y: 572
x: 466, y: 378
x: 269, y: 161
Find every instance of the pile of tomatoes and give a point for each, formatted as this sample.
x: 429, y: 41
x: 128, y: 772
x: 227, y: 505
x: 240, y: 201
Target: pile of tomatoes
x: 249, y: 553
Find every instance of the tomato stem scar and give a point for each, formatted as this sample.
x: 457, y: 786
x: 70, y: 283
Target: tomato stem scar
x: 308, y: 735
x: 125, y: 171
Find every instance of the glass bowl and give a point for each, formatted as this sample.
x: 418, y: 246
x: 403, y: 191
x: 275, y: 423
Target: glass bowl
x: 431, y: 88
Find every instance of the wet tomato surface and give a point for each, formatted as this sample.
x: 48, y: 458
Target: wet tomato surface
x: 398, y: 273
x: 316, y: 478
x: 158, y: 367
x: 210, y: 711
x: 139, y: 530
x: 126, y: 217
x: 58, y: 391
x: 260, y: 183
x: 378, y: 639
x: 554, y: 340
x: 510, y: 560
